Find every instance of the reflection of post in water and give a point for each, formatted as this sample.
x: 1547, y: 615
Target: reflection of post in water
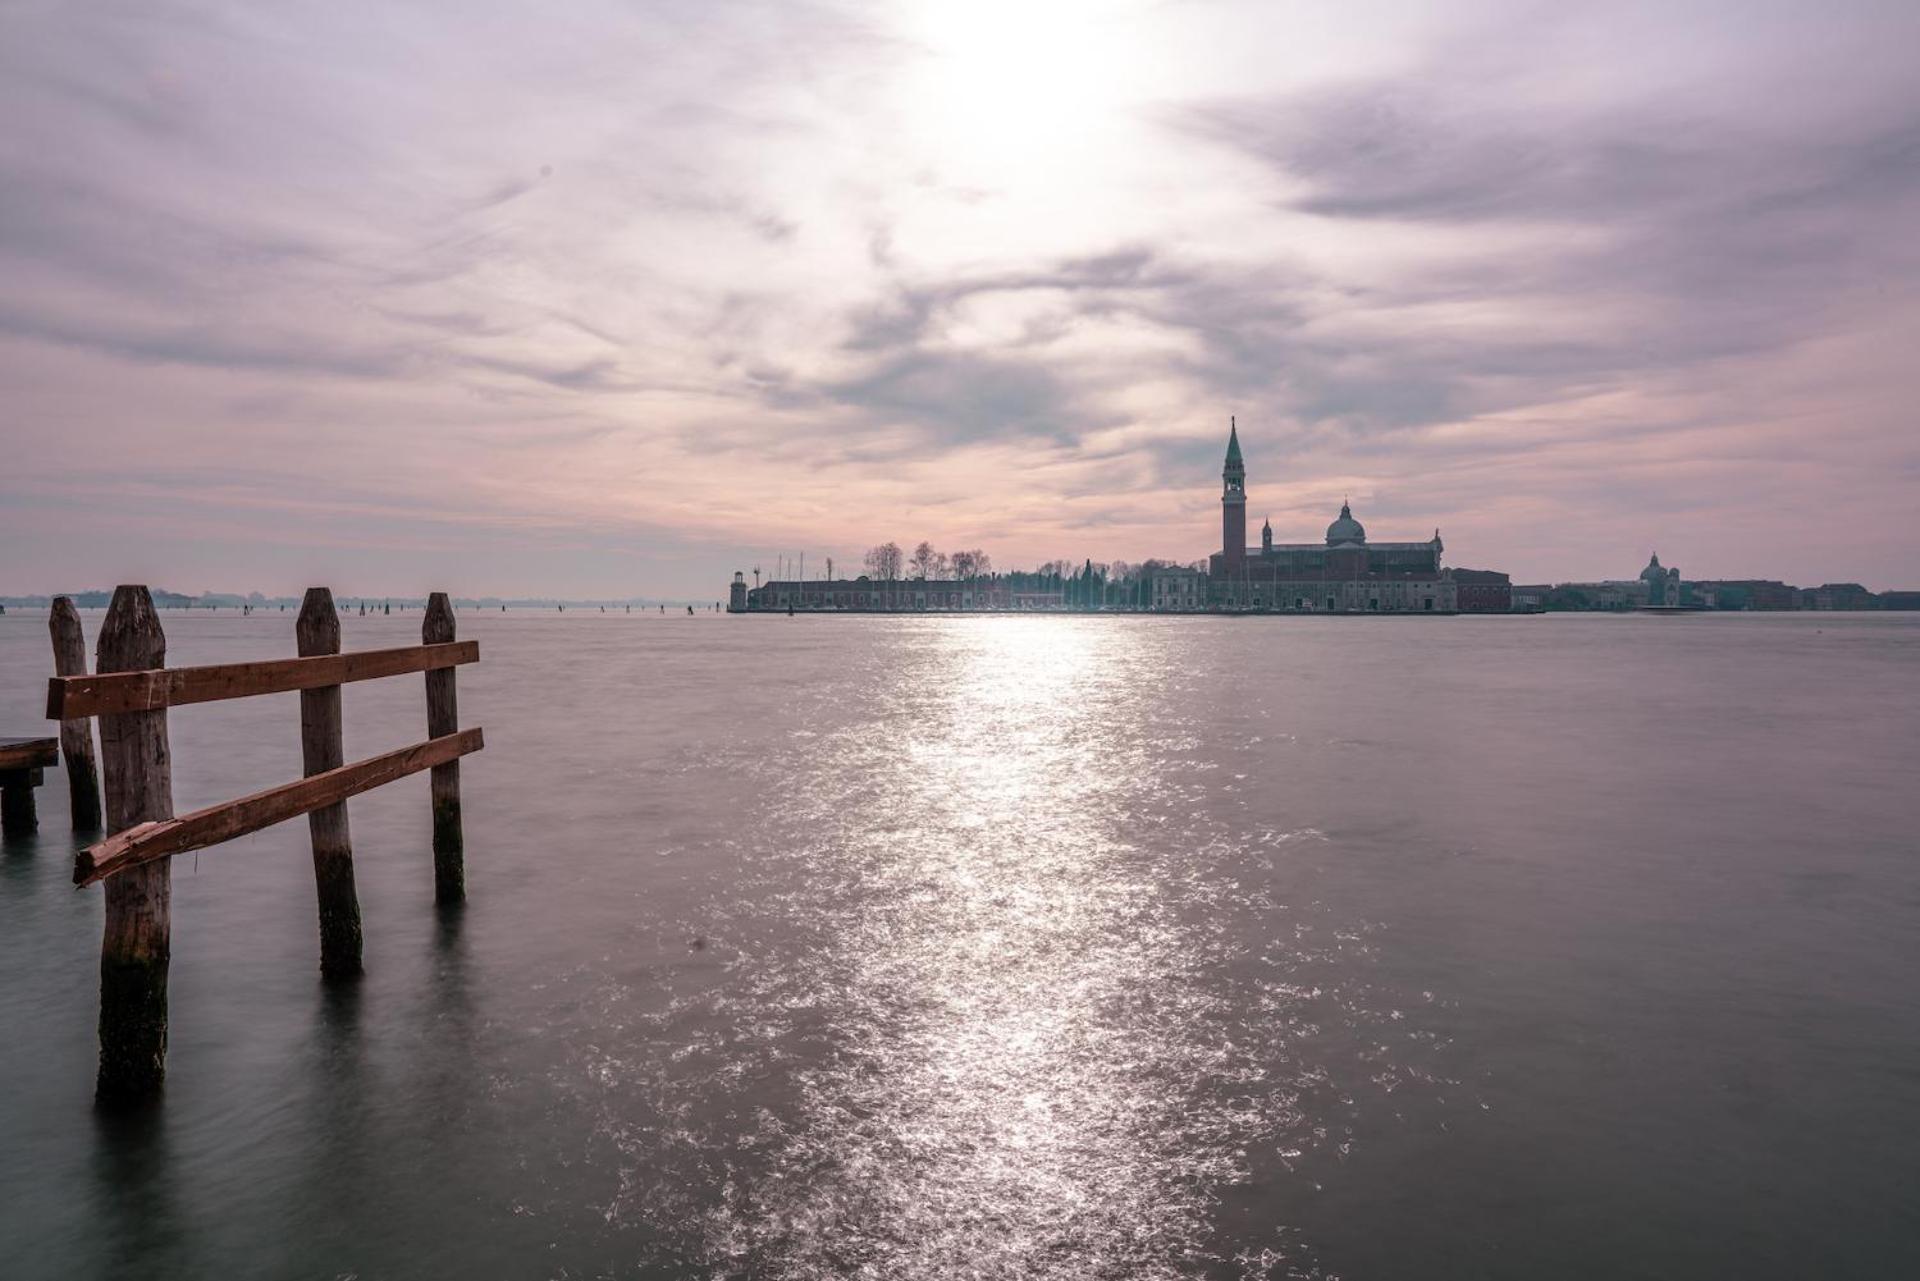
x: 338, y: 1175
x: 449, y: 1083
x: 141, y: 1227
x: 337, y: 1037
x: 447, y: 936
x: 338, y: 1062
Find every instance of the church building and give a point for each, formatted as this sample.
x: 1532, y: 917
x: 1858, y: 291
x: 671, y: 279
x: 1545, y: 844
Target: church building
x: 1344, y: 574
x: 1661, y: 583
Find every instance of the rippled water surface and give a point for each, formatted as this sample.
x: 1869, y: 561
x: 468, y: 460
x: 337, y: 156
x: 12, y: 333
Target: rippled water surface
x: 999, y: 947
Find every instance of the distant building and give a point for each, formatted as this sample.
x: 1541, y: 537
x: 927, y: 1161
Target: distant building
x: 1345, y: 574
x: 1177, y: 589
x: 1662, y: 585
x: 1482, y: 591
x: 1747, y: 593
x: 1613, y: 596
x: 1838, y: 596
x: 1900, y: 600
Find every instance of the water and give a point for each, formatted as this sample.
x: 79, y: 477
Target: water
x: 1372, y: 948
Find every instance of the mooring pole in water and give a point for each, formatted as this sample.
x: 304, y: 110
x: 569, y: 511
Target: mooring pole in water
x: 130, y: 691
x: 317, y: 631
x: 443, y: 718
x: 76, y: 735
x: 136, y: 943
x: 18, y: 816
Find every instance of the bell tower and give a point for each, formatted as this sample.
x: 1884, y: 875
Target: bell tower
x: 1233, y: 503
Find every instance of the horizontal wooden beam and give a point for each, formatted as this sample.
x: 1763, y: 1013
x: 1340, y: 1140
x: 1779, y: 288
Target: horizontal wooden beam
x: 28, y: 753
x: 111, y: 693
x: 149, y: 841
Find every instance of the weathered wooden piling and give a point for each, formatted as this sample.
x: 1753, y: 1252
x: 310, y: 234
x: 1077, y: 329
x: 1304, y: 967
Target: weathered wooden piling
x: 130, y: 691
x: 317, y: 631
x: 17, y: 813
x: 136, y: 944
x: 443, y: 717
x: 76, y: 735
x: 22, y: 765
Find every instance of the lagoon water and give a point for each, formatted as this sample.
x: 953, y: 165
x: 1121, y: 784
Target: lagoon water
x: 1552, y: 947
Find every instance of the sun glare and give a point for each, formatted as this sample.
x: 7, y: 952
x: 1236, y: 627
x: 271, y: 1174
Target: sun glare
x: 1004, y: 88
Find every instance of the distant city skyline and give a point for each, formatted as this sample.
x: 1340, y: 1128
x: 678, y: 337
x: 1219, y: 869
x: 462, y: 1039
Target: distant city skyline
x: 299, y: 297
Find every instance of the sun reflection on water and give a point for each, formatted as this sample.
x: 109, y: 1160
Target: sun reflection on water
x: 985, y: 1029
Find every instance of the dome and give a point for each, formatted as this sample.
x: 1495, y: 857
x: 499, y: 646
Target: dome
x: 1653, y: 570
x: 1346, y: 529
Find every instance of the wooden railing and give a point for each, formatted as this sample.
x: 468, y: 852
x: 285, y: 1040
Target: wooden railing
x: 130, y: 693
x: 230, y: 819
x: 110, y: 693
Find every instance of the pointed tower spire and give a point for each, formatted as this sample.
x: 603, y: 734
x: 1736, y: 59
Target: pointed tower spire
x: 1233, y: 502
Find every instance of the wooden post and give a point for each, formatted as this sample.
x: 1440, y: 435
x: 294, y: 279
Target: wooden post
x: 318, y: 632
x: 17, y: 814
x: 76, y: 736
x: 22, y: 765
x: 443, y: 717
x: 136, y: 944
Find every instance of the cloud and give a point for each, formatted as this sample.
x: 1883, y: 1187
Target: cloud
x: 801, y: 274
x: 1573, y: 246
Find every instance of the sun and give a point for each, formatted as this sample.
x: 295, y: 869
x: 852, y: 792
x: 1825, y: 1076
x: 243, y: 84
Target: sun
x: 1006, y: 92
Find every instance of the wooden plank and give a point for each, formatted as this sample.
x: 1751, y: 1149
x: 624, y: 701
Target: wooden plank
x: 224, y: 822
x: 29, y: 753
x: 109, y: 693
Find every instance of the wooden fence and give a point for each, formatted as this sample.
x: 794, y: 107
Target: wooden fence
x: 130, y: 692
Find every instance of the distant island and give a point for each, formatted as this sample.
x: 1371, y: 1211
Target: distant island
x: 1345, y: 573
x: 98, y: 598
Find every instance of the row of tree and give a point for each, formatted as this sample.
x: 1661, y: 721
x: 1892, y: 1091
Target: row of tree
x: 1088, y: 585
x: 887, y: 563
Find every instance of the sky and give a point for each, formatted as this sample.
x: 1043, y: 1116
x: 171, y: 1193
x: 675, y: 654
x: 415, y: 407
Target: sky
x: 610, y: 299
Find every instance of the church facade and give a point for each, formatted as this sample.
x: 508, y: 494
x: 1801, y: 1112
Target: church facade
x: 1342, y: 574
x: 1662, y: 584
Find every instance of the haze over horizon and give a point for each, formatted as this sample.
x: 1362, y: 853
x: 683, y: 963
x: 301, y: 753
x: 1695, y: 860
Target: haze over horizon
x: 615, y: 299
